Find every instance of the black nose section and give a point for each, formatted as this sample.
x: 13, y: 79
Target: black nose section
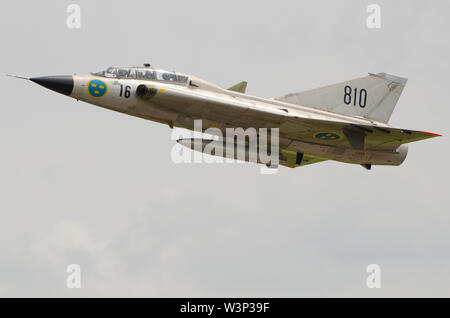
x: 60, y: 84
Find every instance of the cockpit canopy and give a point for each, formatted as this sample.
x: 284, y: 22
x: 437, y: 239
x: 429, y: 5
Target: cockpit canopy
x: 143, y: 73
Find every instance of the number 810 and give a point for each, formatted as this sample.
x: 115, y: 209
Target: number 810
x: 361, y: 95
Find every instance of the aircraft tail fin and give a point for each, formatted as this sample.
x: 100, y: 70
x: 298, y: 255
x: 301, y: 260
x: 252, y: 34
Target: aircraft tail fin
x: 373, y: 96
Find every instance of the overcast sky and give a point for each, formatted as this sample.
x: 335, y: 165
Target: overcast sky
x: 84, y: 185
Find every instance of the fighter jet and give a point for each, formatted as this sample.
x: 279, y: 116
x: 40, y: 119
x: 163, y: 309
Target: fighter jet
x: 346, y: 122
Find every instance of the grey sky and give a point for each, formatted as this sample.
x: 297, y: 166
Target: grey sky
x: 81, y: 184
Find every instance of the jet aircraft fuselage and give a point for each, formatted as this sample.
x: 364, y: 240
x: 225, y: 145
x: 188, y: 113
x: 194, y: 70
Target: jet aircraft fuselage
x: 343, y: 125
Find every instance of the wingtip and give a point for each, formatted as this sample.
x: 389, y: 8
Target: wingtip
x: 432, y: 134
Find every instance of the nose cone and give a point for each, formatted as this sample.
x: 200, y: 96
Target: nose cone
x: 60, y: 84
